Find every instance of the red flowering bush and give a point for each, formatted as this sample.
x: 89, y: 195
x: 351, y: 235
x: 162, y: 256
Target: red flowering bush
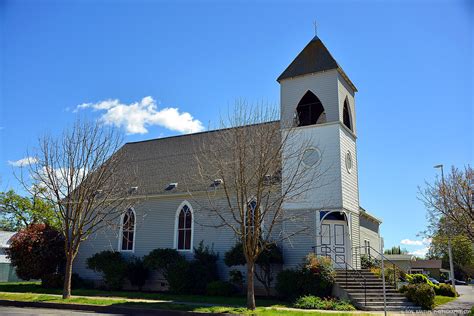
x: 37, y: 251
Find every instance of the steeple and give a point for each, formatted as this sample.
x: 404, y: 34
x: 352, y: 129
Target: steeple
x: 314, y: 58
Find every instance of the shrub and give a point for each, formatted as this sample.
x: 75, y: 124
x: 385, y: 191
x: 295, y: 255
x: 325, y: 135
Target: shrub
x: 178, y: 277
x: 220, y: 288
x: 36, y: 252
x: 111, y: 265
x: 162, y: 259
x: 237, y: 278
x: 137, y: 273
x: 314, y: 277
x: 265, y: 262
x: 185, y: 277
x: 314, y: 302
x: 202, y: 270
x: 52, y: 281
x: 288, y: 284
x: 368, y: 262
x: 445, y: 290
x: 418, y: 278
x: 421, y: 294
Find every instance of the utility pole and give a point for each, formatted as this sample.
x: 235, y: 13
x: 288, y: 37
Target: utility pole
x: 450, y: 254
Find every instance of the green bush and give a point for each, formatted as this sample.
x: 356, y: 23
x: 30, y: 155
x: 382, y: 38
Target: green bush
x: 314, y: 277
x: 178, y: 277
x: 137, y: 273
x: 288, y: 284
x: 236, y: 277
x: 220, y: 288
x: 418, y: 278
x: 314, y: 302
x: 421, y: 294
x: 202, y: 270
x: 266, y: 261
x: 185, y: 277
x: 52, y: 281
x: 368, y: 262
x: 445, y: 290
x: 111, y: 265
x: 162, y: 259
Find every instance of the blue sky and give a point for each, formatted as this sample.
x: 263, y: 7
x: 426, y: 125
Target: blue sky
x: 412, y: 62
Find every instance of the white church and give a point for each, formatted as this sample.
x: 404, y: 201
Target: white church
x: 319, y: 98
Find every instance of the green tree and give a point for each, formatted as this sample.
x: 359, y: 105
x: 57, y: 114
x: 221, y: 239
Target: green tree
x: 17, y: 211
x: 462, y: 249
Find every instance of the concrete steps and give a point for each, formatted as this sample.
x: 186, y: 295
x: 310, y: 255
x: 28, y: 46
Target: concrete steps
x: 365, y: 290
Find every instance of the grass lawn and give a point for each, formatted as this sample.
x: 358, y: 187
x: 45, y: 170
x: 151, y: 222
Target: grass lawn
x: 35, y: 287
x: 440, y: 300
x: 32, y: 292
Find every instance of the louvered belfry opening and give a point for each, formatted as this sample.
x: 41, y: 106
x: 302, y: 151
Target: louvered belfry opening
x: 310, y: 110
x: 346, y: 115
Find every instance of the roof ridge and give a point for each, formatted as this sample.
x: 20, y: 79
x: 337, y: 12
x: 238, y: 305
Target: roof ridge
x: 198, y: 133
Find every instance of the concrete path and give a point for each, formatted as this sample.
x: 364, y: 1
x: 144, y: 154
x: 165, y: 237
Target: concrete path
x: 461, y: 304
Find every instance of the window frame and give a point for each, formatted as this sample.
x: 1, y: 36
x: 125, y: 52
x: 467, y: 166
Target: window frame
x: 347, y: 106
x: 134, y: 231
x: 176, y: 227
x: 262, y: 224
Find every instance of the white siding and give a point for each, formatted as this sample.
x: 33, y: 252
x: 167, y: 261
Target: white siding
x: 350, y: 187
x: 323, y: 85
x: 344, y: 90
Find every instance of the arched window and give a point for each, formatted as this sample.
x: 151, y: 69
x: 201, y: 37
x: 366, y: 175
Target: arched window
x: 184, y: 227
x: 250, y: 220
x: 310, y: 110
x: 127, y: 242
x: 346, y: 115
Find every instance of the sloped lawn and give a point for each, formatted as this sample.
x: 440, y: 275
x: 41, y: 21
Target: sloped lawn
x: 33, y: 292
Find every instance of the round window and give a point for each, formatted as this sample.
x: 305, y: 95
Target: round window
x: 311, y: 156
x: 349, y: 161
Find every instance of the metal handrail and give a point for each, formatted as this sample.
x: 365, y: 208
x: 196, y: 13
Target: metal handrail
x: 364, y: 285
x: 382, y: 258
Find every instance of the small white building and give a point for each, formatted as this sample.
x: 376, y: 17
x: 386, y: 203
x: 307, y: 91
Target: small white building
x: 7, y: 272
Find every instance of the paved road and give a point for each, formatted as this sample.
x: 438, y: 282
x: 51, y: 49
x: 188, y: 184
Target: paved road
x: 4, y: 310
x: 464, y: 302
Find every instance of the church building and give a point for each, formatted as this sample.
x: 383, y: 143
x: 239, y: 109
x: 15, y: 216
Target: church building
x: 317, y: 99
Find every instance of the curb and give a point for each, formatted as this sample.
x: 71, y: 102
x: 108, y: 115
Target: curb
x: 100, y: 309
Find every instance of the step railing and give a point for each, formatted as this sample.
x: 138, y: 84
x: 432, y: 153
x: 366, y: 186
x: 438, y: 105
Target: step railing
x: 344, y: 265
x: 368, y: 251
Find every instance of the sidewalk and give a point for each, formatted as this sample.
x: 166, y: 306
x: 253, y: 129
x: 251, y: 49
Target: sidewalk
x: 464, y: 302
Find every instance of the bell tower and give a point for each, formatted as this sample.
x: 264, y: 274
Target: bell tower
x: 318, y: 101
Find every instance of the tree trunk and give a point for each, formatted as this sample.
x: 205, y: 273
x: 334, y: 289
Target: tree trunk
x: 250, y: 286
x: 67, y: 276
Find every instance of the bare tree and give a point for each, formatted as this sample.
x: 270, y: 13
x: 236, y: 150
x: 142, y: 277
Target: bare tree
x: 84, y: 175
x: 449, y: 202
x: 254, y: 164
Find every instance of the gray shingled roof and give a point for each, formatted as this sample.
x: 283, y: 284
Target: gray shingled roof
x: 426, y: 264
x: 315, y: 57
x: 159, y: 162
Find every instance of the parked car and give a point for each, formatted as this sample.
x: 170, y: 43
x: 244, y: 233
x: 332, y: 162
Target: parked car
x: 434, y: 281
x: 457, y: 282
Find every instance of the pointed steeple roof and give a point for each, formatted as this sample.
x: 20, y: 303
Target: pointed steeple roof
x: 315, y: 57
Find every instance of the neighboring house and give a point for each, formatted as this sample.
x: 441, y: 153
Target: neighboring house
x: 7, y: 272
x: 403, y: 261
x: 319, y: 99
x: 410, y: 264
x: 431, y: 268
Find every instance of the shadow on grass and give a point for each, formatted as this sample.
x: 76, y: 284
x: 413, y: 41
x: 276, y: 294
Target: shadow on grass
x: 233, y: 301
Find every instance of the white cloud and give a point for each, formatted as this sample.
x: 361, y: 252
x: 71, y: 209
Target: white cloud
x: 137, y: 116
x: 419, y: 252
x: 409, y: 242
x: 23, y: 162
